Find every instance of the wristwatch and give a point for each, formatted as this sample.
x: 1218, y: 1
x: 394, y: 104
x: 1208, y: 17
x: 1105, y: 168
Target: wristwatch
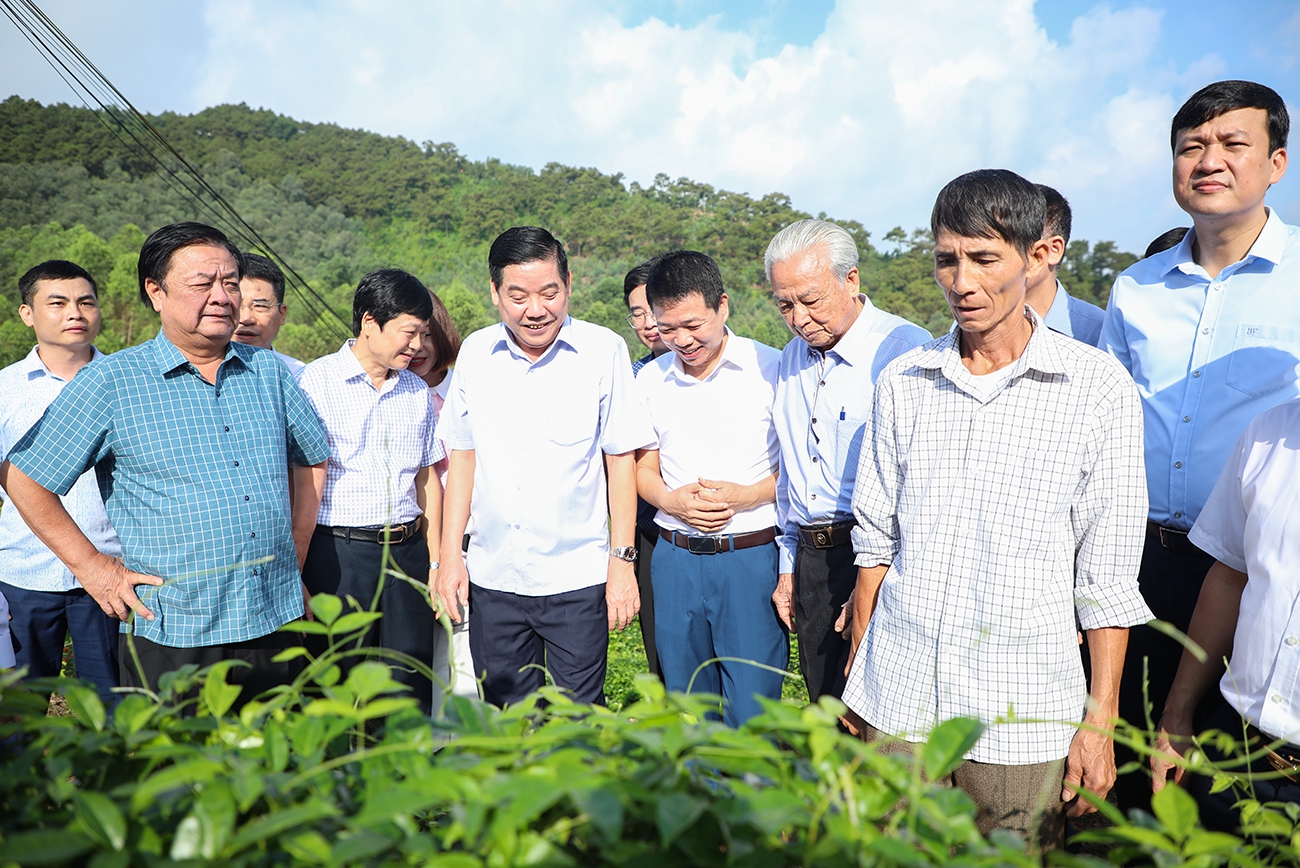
x: 624, y: 553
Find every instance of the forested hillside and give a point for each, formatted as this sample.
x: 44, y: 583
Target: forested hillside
x: 335, y: 203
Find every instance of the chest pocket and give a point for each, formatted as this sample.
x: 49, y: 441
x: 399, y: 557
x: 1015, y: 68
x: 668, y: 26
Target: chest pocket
x: 850, y: 440
x: 1264, y: 359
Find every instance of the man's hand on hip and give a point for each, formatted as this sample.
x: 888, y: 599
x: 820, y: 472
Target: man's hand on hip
x: 112, y: 585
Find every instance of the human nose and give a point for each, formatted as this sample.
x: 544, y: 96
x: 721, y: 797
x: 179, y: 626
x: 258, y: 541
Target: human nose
x: 246, y: 314
x: 799, y: 315
x: 534, y: 309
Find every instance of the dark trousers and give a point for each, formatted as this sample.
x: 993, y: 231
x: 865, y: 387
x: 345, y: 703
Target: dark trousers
x: 720, y: 605
x: 645, y: 547
x: 513, y: 637
x: 260, y: 675
x: 1217, y: 811
x: 1170, y: 583
x: 823, y: 583
x: 345, y: 567
x: 42, y: 620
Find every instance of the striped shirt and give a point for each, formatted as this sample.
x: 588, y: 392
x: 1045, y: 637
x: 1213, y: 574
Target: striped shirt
x: 379, y: 439
x: 194, y: 479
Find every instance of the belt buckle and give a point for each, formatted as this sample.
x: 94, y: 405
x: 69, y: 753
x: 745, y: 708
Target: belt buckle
x: 1288, y: 769
x: 822, y: 538
x: 702, y: 545
x: 394, y: 533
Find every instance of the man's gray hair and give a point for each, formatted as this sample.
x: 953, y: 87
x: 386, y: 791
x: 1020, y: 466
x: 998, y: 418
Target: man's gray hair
x: 806, y: 234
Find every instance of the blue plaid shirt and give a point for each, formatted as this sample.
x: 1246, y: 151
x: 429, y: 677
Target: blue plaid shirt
x: 194, y: 478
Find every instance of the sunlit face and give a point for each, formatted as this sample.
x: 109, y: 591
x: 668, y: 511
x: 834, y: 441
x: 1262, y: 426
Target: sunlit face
x: 642, y: 320
x: 393, y: 344
x: 422, y: 362
x: 198, y: 299
x: 63, y: 313
x: 984, y: 279
x: 260, y: 315
x: 816, y: 305
x: 533, y: 301
x: 694, y: 332
x: 1224, y: 167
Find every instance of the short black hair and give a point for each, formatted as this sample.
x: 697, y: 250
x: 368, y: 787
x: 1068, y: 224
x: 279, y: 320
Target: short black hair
x: 156, y: 254
x: 52, y: 269
x: 682, y: 273
x: 637, y: 277
x: 259, y: 267
x: 1059, y: 220
x: 386, y: 294
x: 991, y: 203
x: 1166, y: 240
x: 1222, y: 97
x: 522, y: 244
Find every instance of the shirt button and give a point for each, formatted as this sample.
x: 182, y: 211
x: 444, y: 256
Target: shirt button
x: 1178, y: 464
x: 227, y: 427
x: 1277, y: 697
x: 236, y: 463
x: 822, y: 383
x: 1178, y: 515
x: 814, y: 459
x: 1187, y: 418
x: 1196, y: 373
x: 1292, y: 641
x: 812, y: 496
x: 814, y: 421
x: 1205, y: 331
x: 252, y: 535
x: 245, y: 497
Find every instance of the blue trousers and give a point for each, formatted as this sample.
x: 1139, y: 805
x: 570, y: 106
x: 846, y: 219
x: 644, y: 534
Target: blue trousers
x: 719, y: 605
x: 41, y: 622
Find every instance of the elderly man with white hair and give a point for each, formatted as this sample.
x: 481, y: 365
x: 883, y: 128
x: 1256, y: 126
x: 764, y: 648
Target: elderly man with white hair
x: 823, y: 416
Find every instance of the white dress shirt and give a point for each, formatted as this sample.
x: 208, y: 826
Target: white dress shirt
x: 540, y: 431
x: 1074, y: 317
x: 1252, y: 523
x: 823, y: 416
x: 379, y: 440
x: 27, y: 388
x: 1005, y: 508
x: 718, y: 428
x: 1208, y: 355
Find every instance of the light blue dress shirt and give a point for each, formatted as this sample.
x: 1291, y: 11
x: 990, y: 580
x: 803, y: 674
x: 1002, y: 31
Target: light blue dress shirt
x: 195, y: 479
x: 26, y: 388
x: 1208, y: 355
x: 1074, y: 317
x: 823, y: 414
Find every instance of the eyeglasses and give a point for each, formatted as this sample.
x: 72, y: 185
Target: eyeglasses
x: 640, y: 319
x: 259, y: 306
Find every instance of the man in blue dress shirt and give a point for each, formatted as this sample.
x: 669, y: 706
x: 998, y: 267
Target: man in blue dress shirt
x: 1061, y: 312
x: 1210, y: 331
x: 189, y: 434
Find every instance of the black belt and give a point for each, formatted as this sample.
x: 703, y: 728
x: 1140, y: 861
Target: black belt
x: 1174, y: 540
x: 712, y: 545
x: 392, y: 534
x: 1284, y: 757
x: 827, y: 536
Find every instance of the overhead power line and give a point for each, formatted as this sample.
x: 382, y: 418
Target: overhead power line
x: 138, y: 136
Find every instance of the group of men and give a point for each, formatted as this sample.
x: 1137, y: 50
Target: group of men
x: 942, y: 523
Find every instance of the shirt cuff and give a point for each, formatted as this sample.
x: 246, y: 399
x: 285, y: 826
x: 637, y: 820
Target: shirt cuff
x: 1118, y: 604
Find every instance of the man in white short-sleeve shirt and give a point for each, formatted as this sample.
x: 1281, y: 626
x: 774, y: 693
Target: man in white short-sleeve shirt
x: 540, y: 416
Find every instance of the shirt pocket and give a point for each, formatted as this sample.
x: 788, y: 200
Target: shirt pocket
x: 850, y: 436
x: 1263, y: 359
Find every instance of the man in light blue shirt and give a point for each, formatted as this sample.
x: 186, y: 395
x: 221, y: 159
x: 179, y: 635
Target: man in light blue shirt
x: 60, y: 302
x: 823, y: 415
x: 1061, y: 312
x: 1210, y: 331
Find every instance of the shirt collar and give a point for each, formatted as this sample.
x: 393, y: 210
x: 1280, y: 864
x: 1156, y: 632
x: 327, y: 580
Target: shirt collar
x: 1268, y: 246
x: 1042, y: 353
x: 565, y: 338
x: 349, y: 368
x: 170, y: 358
x: 34, y: 367
x: 733, y: 356
x: 1058, y: 315
x: 852, y: 348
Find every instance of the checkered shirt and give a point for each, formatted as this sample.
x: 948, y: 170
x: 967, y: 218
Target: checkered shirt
x: 1005, y: 509
x: 379, y: 439
x: 194, y: 479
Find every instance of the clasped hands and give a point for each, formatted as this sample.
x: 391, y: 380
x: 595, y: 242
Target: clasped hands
x: 706, y: 505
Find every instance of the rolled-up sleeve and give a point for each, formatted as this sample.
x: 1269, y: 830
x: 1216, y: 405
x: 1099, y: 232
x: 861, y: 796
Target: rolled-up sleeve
x: 1109, y: 515
x: 875, y: 492
x: 624, y: 420
x: 72, y: 436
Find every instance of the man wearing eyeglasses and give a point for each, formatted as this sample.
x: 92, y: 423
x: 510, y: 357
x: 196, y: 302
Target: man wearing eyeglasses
x: 639, y: 316
x: 262, y: 308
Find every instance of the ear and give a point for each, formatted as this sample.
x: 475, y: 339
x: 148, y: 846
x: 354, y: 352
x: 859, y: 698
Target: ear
x: 27, y: 314
x: 492, y: 290
x: 724, y: 309
x: 853, y: 281
x: 284, y: 312
x: 1279, y: 166
x: 367, y: 319
x: 1055, y: 251
x: 1036, y: 259
x: 568, y: 282
x: 155, y: 291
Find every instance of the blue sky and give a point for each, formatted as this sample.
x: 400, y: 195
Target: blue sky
x: 859, y: 108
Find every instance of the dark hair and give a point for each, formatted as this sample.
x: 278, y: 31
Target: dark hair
x: 1058, y: 220
x: 522, y: 244
x: 258, y: 267
x: 386, y: 294
x: 156, y: 254
x: 446, y: 339
x: 680, y: 274
x: 991, y: 203
x: 1166, y: 240
x: 637, y: 277
x: 52, y: 269
x: 1222, y: 97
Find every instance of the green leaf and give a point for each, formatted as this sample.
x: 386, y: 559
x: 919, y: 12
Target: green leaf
x: 45, y: 847
x: 218, y: 696
x: 133, y: 713
x: 307, y: 846
x: 326, y: 608
x: 302, y: 625
x: 355, y: 849
x: 110, y: 859
x: 185, y: 845
x: 269, y: 826
x: 1221, y: 782
x: 1149, y: 838
x: 948, y: 744
x: 276, y: 746
x: 675, y: 813
x: 170, y: 778
x: 354, y: 621
x: 330, y: 708
x: 1176, y: 810
x: 101, y: 818
x: 369, y: 679
x: 603, y: 809
x: 86, y: 705
x: 290, y: 654
x: 1200, y: 843
x: 385, y: 707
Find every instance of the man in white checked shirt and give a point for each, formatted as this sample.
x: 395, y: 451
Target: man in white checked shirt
x: 1002, y: 497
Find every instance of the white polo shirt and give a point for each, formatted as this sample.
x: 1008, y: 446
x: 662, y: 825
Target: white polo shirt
x: 719, y: 428
x: 540, y: 431
x: 1251, y: 523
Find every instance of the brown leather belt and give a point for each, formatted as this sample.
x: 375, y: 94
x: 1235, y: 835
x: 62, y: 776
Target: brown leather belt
x: 712, y: 545
x: 827, y: 536
x: 393, y: 534
x: 1174, y: 540
x: 1284, y: 757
